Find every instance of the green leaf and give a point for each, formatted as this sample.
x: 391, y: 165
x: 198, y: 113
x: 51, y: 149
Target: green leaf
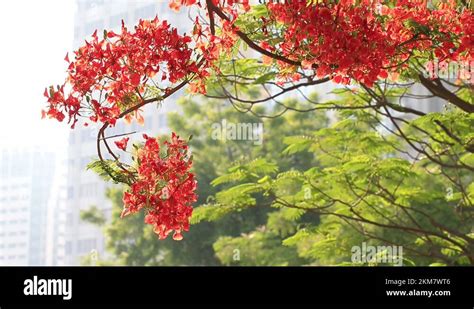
x: 265, y: 78
x: 109, y: 170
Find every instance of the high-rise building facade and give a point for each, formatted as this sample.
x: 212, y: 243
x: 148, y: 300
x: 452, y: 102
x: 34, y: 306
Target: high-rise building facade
x: 56, y: 215
x: 26, y: 177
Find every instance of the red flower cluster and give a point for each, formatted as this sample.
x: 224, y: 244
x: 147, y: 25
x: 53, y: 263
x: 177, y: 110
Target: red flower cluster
x: 348, y: 39
x: 108, y: 75
x: 360, y: 40
x: 211, y: 46
x: 165, y: 188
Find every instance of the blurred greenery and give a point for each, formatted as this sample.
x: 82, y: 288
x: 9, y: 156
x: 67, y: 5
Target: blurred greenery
x: 305, y: 198
x: 131, y: 242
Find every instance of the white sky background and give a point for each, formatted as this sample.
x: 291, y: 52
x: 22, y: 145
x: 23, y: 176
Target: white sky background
x: 34, y: 38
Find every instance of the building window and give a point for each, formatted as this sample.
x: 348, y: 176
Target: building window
x: 149, y: 123
x: 84, y: 162
x: 88, y: 190
x: 69, y: 219
x: 86, y: 135
x: 146, y: 11
x: 87, y: 245
x: 116, y: 20
x: 162, y: 121
x: 68, y: 247
x: 93, y: 26
x: 70, y: 192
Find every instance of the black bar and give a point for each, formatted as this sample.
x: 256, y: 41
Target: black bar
x: 243, y: 285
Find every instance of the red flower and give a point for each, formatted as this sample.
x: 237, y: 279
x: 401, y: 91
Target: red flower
x: 122, y: 144
x: 135, y: 79
x: 164, y: 189
x: 357, y: 40
x: 118, y: 68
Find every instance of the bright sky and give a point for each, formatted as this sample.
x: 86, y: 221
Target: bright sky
x: 35, y: 36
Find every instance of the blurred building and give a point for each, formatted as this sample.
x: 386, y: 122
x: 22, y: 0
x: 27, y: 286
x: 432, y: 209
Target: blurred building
x: 84, y: 188
x: 56, y: 215
x: 26, y: 176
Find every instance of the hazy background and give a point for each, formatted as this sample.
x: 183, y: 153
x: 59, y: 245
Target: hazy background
x: 35, y: 38
x: 44, y: 184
